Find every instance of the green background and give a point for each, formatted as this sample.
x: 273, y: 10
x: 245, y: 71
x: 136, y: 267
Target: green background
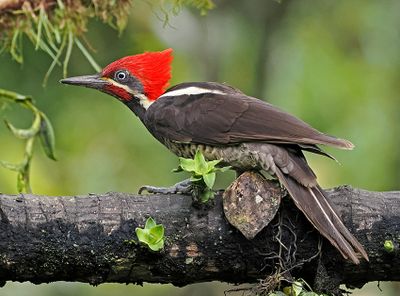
x: 335, y: 64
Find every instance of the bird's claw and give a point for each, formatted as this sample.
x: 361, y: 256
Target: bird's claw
x: 184, y: 187
x: 157, y: 190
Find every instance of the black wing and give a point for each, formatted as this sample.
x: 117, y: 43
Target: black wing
x: 216, y: 114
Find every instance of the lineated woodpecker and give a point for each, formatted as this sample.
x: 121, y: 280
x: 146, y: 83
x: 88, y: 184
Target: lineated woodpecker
x: 224, y: 123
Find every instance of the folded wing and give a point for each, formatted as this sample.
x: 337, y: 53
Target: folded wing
x: 215, y: 114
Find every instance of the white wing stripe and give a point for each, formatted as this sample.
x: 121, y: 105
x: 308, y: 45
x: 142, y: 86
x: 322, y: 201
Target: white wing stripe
x: 191, y: 90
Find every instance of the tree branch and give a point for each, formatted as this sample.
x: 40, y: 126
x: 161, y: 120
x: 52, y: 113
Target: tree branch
x: 90, y: 239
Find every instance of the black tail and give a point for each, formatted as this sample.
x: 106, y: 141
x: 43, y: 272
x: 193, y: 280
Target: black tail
x: 313, y: 203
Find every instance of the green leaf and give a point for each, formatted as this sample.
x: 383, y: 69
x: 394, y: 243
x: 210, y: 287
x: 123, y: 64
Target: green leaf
x: 224, y: 169
x: 23, y: 133
x: 39, y: 26
x: 277, y: 293
x: 88, y: 56
x: 177, y: 170
x: 211, y: 164
x: 15, y: 47
x: 21, y: 184
x: 196, y: 178
x: 70, y: 43
x: 206, y: 195
x: 158, y: 246
x: 14, y: 96
x: 11, y: 166
x: 294, y: 290
x: 150, y: 223
x: 200, y: 163
x: 60, y: 4
x: 203, y: 174
x: 388, y: 245
x: 297, y: 288
x: 187, y: 164
x: 57, y: 34
x: 209, y: 179
x: 55, y: 61
x: 46, y: 135
x: 48, y: 30
x: 156, y: 233
x: 142, y: 234
x: 152, y: 235
x: 42, y: 44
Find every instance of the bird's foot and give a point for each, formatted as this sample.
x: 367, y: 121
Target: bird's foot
x: 183, y: 187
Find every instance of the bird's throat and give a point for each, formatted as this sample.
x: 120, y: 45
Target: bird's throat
x: 137, y: 108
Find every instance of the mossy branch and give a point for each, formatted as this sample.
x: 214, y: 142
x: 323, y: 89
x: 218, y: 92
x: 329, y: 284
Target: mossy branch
x: 87, y: 239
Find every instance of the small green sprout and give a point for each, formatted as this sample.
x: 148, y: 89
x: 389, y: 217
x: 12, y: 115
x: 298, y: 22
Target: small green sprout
x: 151, y: 235
x: 294, y: 289
x: 277, y: 293
x: 389, y: 246
x: 203, y: 174
x: 297, y: 288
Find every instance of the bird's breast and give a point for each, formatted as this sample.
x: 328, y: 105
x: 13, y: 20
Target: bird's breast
x: 251, y: 156
x: 238, y: 156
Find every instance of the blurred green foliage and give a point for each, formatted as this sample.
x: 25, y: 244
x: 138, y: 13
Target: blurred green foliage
x: 335, y: 64
x: 40, y: 128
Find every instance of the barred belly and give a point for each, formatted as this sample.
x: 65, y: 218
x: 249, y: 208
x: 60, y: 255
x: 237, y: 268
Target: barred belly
x: 243, y: 156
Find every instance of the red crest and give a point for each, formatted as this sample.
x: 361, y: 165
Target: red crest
x: 153, y: 69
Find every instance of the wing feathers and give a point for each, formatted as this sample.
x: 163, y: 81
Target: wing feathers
x: 214, y: 114
x: 267, y: 122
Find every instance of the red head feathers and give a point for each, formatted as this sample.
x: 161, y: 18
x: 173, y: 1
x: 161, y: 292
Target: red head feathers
x: 153, y: 69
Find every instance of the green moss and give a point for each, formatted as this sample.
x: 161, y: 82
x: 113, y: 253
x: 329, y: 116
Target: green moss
x: 389, y: 246
x: 242, y: 219
x: 121, y: 265
x: 189, y: 260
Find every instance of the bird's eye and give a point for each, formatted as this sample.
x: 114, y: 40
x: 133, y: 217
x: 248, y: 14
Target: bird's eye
x: 121, y: 76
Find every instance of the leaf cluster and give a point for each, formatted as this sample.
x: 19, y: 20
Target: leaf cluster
x: 56, y: 26
x: 40, y: 128
x: 152, y: 235
x: 203, y: 173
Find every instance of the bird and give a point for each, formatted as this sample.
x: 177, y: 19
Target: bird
x: 225, y: 124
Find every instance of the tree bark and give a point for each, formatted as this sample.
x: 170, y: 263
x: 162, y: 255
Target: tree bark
x: 90, y: 239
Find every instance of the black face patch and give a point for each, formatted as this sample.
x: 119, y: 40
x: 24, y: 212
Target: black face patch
x: 126, y: 78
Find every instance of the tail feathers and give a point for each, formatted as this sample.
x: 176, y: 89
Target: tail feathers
x: 317, y: 150
x: 336, y: 142
x: 339, y: 224
x: 313, y: 203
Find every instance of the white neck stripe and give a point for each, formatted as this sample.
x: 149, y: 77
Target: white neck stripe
x: 191, y: 90
x: 144, y: 101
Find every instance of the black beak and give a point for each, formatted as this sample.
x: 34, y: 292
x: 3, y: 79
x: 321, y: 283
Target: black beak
x: 91, y: 81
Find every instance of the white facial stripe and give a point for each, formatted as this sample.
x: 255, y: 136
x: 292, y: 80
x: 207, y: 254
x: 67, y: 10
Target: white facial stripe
x: 123, y: 86
x: 191, y: 90
x: 144, y: 101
